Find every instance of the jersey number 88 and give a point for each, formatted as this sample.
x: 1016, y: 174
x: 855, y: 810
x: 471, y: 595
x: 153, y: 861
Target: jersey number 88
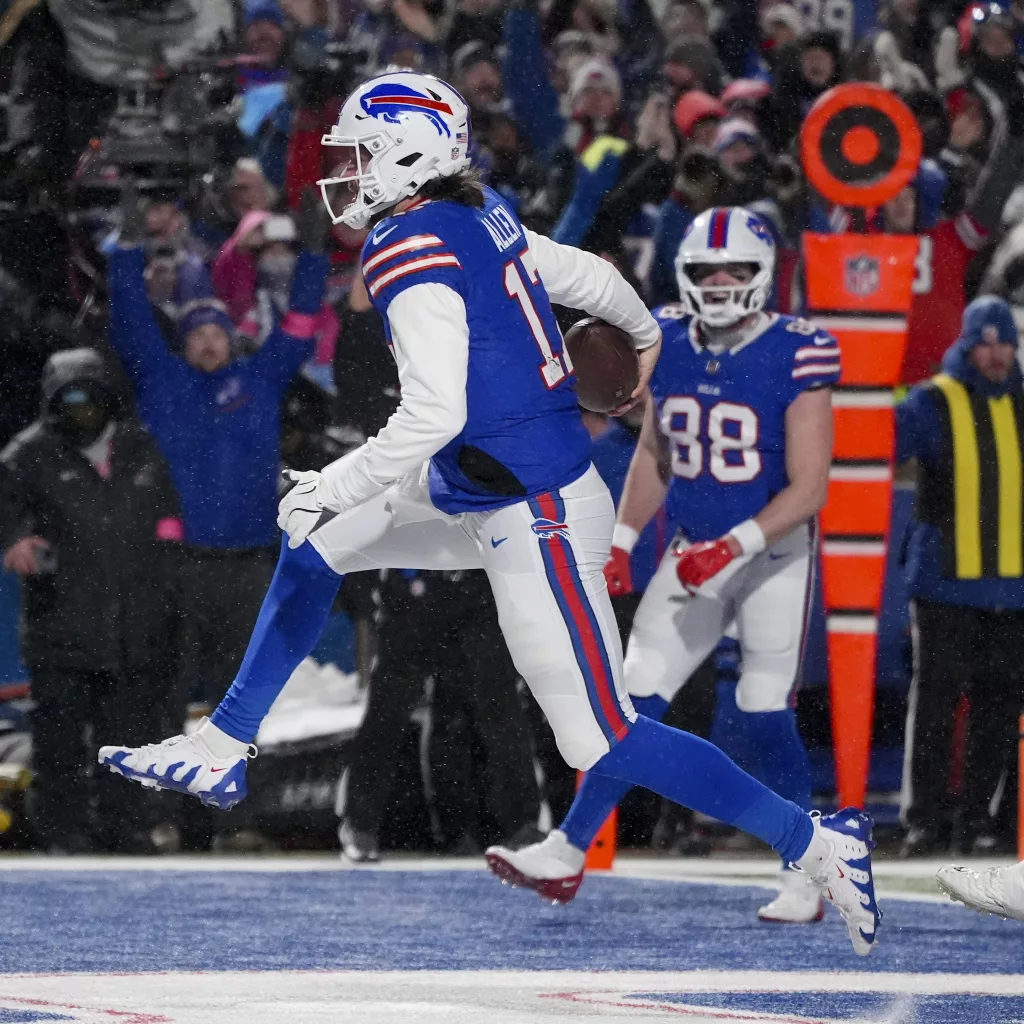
x: 730, y: 428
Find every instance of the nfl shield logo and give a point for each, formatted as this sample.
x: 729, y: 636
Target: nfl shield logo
x: 862, y: 276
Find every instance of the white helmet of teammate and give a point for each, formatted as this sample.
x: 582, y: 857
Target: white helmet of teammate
x: 400, y: 129
x: 722, y: 237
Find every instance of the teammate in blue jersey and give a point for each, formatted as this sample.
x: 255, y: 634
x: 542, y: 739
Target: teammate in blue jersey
x: 737, y: 443
x: 484, y: 465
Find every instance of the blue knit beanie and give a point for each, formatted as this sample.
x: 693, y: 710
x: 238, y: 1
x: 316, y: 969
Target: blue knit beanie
x: 988, y: 318
x: 262, y: 10
x: 203, y: 311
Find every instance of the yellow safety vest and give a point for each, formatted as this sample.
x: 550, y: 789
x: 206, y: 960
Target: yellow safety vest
x: 976, y: 502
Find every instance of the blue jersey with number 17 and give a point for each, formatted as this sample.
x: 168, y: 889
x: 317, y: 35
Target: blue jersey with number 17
x: 724, y: 415
x: 523, y: 435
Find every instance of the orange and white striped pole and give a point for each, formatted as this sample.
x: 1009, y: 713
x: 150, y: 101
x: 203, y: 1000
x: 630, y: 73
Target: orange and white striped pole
x: 858, y: 289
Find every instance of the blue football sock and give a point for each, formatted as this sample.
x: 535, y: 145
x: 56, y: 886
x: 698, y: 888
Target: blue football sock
x: 774, y: 741
x: 696, y: 774
x: 599, y: 794
x: 290, y: 622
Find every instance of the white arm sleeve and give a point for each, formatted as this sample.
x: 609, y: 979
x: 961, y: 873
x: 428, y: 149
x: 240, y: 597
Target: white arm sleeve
x: 431, y: 339
x: 584, y: 281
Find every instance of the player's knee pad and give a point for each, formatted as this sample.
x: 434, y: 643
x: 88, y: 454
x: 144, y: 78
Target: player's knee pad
x: 763, y: 691
x: 581, y: 749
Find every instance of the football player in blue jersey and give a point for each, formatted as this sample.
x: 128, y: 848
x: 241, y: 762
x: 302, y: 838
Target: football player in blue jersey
x: 486, y: 464
x: 737, y: 442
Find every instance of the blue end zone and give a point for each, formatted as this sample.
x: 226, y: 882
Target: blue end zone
x: 859, y: 1006
x: 29, y: 1016
x: 106, y: 921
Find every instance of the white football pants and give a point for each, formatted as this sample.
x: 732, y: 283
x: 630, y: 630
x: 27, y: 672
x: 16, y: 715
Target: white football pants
x: 545, y: 559
x: 768, y: 599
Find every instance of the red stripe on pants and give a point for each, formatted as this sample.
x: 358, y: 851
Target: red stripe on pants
x: 591, y: 643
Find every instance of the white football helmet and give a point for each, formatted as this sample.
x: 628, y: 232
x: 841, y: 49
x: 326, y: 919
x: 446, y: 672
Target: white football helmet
x: 401, y: 129
x: 725, y: 235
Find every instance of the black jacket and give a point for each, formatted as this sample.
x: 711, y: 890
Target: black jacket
x: 109, y: 604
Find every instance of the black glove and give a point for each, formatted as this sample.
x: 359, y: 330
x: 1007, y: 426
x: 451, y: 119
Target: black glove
x: 312, y: 222
x: 133, y: 223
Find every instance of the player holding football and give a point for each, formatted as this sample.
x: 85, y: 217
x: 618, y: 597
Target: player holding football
x: 486, y: 464
x: 738, y: 439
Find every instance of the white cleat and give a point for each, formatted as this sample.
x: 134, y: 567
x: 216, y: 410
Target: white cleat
x: 839, y: 862
x: 799, y: 901
x: 185, y: 764
x: 990, y: 891
x: 553, y: 868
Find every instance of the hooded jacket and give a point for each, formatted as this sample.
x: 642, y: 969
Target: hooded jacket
x: 920, y: 434
x: 108, y: 604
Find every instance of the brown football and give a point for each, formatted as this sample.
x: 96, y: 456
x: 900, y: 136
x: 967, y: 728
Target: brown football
x: 606, y: 365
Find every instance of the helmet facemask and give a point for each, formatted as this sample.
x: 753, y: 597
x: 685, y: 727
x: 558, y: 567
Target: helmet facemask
x: 354, y: 192
x: 722, y: 305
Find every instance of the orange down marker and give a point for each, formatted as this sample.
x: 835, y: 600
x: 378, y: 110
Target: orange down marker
x: 858, y: 289
x: 601, y: 855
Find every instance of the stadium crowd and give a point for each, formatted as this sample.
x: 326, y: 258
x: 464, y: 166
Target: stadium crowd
x: 181, y: 321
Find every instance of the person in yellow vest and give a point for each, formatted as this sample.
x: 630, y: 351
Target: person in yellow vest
x: 965, y: 572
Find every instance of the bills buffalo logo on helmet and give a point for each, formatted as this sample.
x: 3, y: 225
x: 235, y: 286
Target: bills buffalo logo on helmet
x: 545, y: 528
x: 388, y: 101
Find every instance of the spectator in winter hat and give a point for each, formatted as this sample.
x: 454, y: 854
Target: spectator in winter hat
x: 819, y: 59
x: 596, y: 91
x: 696, y: 117
x: 737, y: 142
x: 781, y: 24
x: 803, y: 72
x: 264, y: 34
x: 476, y: 73
x: 571, y: 50
x: 691, y: 63
x: 204, y: 335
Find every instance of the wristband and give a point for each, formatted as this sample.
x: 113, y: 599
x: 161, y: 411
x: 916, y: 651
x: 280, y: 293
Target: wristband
x: 624, y: 537
x: 749, y: 536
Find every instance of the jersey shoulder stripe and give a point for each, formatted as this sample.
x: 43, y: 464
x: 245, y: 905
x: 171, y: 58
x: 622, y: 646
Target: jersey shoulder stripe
x: 411, y: 266
x: 832, y: 349
x: 413, y: 242
x: 822, y: 370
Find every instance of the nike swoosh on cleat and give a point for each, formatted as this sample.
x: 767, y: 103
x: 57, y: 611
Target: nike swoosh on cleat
x: 218, y: 769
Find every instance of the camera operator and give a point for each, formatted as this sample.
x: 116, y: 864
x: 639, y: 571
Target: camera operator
x: 80, y: 52
x: 217, y: 420
x: 90, y: 522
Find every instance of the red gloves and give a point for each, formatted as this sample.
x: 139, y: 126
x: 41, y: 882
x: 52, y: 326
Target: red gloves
x: 700, y: 562
x: 617, y: 573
